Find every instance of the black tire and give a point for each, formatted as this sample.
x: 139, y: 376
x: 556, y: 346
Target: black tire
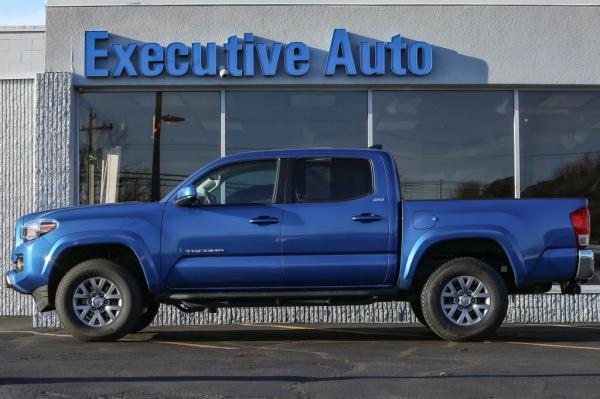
x: 415, y: 306
x: 130, y: 302
x: 151, y: 309
x: 496, y: 302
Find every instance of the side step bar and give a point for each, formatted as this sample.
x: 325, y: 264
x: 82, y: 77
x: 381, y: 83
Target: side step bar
x: 199, y: 301
x: 249, y: 295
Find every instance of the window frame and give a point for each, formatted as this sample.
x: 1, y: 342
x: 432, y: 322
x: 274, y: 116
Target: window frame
x: 290, y: 180
x: 277, y: 187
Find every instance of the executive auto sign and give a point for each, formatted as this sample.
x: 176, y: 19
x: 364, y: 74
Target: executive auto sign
x: 397, y: 56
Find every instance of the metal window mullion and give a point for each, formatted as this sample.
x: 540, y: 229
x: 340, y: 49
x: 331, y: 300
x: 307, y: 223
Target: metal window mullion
x: 223, y: 149
x: 223, y: 123
x: 75, y: 119
x: 370, y: 117
x: 517, y: 151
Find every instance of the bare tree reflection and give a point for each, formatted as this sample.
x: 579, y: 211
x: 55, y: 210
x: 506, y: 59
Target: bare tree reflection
x: 447, y: 189
x: 578, y: 178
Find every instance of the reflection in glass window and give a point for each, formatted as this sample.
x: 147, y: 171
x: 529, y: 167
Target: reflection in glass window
x: 560, y: 147
x: 448, y: 144
x: 117, y: 142
x: 295, y: 119
x: 187, y: 145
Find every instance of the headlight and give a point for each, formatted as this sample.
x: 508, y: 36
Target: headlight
x: 19, y: 266
x: 34, y: 230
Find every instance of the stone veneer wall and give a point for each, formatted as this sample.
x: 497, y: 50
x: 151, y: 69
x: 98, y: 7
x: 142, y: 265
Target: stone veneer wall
x: 54, y: 141
x: 54, y: 148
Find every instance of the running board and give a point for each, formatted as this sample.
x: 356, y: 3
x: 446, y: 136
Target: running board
x: 249, y: 295
x: 198, y: 301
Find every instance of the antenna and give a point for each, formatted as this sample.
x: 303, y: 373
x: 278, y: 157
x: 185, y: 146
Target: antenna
x: 376, y: 147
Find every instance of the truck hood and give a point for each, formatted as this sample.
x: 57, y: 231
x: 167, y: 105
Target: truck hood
x: 88, y: 211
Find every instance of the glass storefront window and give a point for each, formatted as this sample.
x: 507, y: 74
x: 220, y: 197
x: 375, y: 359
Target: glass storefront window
x: 118, y: 142
x: 186, y: 146
x: 295, y: 119
x: 448, y: 144
x: 560, y: 147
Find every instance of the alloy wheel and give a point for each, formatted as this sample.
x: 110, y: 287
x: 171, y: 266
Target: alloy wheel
x: 465, y: 300
x: 97, y: 302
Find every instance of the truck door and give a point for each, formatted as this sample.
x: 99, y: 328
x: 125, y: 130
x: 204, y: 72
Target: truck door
x: 336, y: 224
x: 232, y: 238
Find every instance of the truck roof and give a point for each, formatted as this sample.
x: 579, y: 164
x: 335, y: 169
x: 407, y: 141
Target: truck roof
x: 304, y: 152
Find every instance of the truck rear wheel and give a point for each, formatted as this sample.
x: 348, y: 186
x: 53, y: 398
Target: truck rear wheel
x: 464, y: 300
x: 98, y: 300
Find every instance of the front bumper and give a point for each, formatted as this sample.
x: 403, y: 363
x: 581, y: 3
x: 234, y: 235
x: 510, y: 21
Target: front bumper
x: 30, y: 278
x: 40, y: 294
x: 585, y: 265
x: 8, y: 281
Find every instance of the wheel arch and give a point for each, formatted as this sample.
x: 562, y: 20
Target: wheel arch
x: 432, y: 251
x: 132, y: 255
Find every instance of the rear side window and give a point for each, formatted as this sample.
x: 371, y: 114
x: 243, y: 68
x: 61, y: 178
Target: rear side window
x: 330, y: 179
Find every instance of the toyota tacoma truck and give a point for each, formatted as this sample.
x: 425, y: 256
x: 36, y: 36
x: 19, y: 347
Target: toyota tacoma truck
x: 298, y: 227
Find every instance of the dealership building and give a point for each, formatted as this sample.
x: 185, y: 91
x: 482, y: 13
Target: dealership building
x: 113, y: 102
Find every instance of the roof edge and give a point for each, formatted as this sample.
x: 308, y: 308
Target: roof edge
x: 109, y: 3
x: 22, y: 28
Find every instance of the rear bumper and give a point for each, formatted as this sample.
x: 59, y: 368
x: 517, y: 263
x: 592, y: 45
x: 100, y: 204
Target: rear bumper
x: 585, y: 265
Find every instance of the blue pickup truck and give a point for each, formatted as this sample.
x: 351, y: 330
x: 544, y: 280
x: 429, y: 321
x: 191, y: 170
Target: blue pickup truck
x: 298, y: 227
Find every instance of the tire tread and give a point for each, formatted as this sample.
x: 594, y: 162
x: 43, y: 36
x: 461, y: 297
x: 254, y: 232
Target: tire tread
x: 443, y: 327
x: 111, y: 332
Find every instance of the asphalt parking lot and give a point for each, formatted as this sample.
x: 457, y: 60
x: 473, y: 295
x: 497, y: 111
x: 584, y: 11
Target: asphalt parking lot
x: 300, y: 361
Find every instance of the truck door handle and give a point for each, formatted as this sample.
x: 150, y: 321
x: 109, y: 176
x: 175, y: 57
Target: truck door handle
x: 366, y: 218
x: 263, y: 220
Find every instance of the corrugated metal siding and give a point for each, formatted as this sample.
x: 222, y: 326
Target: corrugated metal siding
x: 17, y: 177
x: 545, y: 308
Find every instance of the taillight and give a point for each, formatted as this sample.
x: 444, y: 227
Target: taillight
x: 580, y: 219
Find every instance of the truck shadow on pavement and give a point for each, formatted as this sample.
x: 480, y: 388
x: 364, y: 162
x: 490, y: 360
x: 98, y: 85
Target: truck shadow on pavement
x: 530, y: 333
x: 273, y: 378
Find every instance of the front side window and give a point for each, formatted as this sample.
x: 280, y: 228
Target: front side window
x: 331, y: 179
x: 239, y: 184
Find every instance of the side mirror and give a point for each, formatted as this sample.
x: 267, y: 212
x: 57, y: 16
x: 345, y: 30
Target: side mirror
x: 186, y: 196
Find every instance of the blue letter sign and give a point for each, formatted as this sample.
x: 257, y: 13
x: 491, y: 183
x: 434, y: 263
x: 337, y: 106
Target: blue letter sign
x: 92, y: 54
x: 340, y: 54
x: 246, y: 57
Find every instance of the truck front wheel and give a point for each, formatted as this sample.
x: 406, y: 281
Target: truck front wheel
x: 465, y: 299
x: 148, y: 316
x: 415, y: 306
x: 98, y: 300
